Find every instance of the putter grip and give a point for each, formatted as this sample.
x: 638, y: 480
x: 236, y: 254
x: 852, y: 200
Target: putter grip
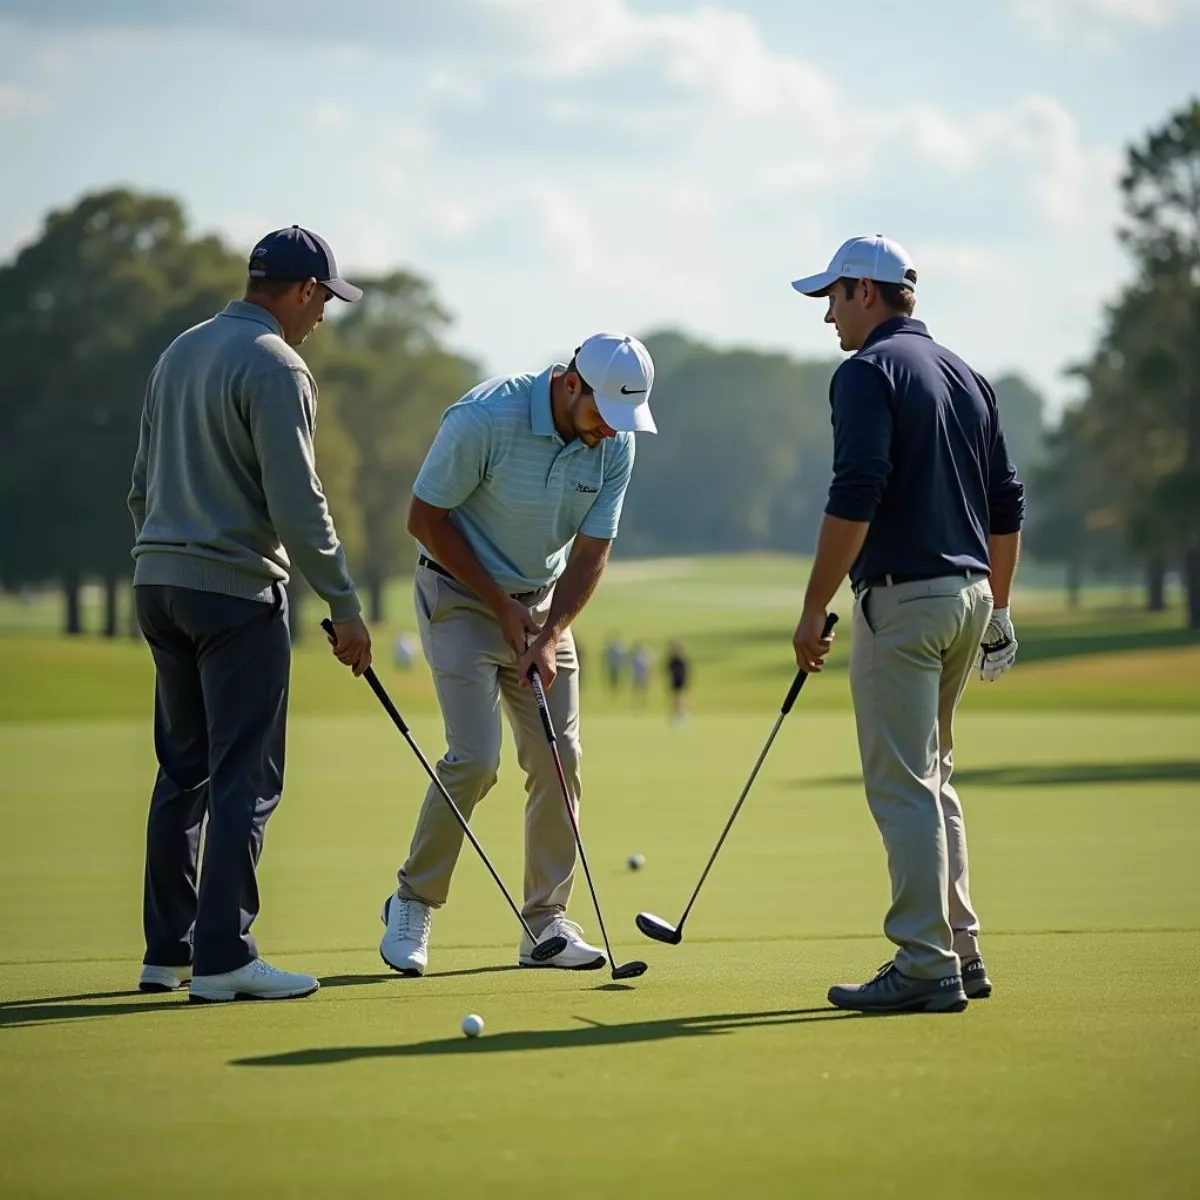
x: 539, y: 694
x: 830, y: 621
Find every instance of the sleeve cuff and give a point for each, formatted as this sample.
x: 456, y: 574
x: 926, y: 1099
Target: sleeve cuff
x: 423, y: 492
x: 1002, y: 524
x: 847, y: 510
x: 606, y: 532
x: 344, y: 608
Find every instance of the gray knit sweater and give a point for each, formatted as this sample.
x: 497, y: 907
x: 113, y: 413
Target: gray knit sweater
x: 225, y: 476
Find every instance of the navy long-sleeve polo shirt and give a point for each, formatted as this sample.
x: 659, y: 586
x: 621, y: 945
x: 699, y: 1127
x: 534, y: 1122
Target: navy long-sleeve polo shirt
x: 919, y: 453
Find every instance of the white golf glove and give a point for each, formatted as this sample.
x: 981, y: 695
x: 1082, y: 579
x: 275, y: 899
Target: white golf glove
x: 998, y: 650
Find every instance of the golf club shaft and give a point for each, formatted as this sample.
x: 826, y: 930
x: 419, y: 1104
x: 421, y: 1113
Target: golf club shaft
x: 712, y: 858
x: 789, y: 701
x: 539, y: 693
x: 397, y: 720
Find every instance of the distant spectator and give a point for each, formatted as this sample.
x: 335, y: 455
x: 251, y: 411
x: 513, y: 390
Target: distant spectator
x: 614, y: 661
x: 678, y: 670
x: 640, y: 661
x: 404, y: 652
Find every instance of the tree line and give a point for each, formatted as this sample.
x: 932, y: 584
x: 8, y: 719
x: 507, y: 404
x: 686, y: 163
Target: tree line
x: 743, y: 463
x: 1121, y: 480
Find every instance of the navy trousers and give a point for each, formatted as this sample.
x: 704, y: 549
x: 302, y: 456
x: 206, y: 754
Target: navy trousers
x: 220, y: 715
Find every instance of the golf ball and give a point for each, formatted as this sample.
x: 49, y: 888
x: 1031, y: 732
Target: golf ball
x: 636, y: 862
x: 472, y: 1025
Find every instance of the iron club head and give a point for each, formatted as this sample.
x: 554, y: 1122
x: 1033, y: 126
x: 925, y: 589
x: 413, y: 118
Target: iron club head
x: 550, y: 948
x: 658, y: 929
x: 629, y: 970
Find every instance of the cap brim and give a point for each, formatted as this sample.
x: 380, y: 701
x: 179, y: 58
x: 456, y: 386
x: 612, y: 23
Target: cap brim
x: 624, y: 417
x: 343, y: 290
x: 815, y: 285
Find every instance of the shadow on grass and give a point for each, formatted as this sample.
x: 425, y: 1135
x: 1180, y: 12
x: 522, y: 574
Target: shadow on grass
x: 1039, y: 642
x: 1054, y: 774
x: 17, y: 1013
x: 335, y: 981
x: 1048, y: 642
x: 81, y: 1005
x: 1183, y: 770
x: 592, y: 1034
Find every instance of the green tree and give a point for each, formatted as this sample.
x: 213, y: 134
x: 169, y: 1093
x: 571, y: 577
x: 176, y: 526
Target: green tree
x: 743, y: 460
x: 1159, y: 347
x: 82, y: 310
x: 387, y: 377
x: 1076, y: 520
x: 85, y: 311
x: 1022, y: 416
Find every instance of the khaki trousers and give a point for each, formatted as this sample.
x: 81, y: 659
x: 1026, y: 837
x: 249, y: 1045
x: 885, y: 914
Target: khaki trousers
x: 911, y: 654
x: 474, y: 671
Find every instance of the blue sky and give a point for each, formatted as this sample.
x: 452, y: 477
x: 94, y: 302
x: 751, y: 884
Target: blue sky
x: 559, y: 166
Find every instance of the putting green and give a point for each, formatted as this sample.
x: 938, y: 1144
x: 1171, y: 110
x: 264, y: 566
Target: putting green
x: 720, y: 1073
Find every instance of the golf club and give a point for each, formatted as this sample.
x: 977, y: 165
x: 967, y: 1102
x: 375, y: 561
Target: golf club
x: 629, y: 970
x: 542, y: 951
x: 662, y: 931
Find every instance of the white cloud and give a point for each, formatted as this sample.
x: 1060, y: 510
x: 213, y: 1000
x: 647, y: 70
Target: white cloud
x: 609, y: 165
x: 963, y: 263
x: 18, y: 101
x: 724, y: 166
x: 1037, y: 140
x: 459, y: 87
x: 739, y: 85
x: 328, y: 117
x: 1095, y: 23
x: 715, y: 55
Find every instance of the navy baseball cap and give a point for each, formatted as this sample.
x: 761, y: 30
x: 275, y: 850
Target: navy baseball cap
x: 297, y: 253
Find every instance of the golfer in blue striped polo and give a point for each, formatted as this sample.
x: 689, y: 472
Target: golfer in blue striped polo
x: 515, y: 510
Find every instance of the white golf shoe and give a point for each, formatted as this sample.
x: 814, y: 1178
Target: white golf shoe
x: 163, y: 979
x: 257, y: 980
x: 578, y: 955
x: 405, y: 943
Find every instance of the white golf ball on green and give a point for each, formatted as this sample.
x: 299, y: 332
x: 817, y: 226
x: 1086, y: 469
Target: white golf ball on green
x: 472, y: 1024
x: 636, y: 862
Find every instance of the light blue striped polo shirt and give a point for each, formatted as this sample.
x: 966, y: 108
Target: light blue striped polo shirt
x: 518, y: 494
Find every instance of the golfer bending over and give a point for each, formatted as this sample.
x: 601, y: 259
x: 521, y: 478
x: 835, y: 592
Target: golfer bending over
x: 515, y: 510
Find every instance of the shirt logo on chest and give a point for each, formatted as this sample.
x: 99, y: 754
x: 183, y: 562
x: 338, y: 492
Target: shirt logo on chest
x: 583, y: 487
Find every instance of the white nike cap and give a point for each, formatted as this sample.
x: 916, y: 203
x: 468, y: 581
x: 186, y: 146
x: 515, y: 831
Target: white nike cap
x: 618, y: 368
x: 877, y: 258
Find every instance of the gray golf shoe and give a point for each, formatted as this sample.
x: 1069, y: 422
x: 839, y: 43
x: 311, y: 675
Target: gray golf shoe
x: 891, y: 991
x: 975, y: 979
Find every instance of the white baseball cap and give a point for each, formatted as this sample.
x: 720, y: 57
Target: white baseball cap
x: 619, y: 370
x: 877, y: 258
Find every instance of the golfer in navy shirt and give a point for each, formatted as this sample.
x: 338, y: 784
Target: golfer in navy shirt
x: 924, y: 514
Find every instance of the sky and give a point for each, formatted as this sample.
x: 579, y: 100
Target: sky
x: 556, y: 167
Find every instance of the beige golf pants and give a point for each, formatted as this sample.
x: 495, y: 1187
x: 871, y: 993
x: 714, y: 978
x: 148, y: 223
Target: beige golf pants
x: 911, y: 654
x: 474, y: 670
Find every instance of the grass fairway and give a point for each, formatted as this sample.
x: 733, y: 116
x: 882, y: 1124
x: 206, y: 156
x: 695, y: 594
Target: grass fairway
x: 722, y: 1072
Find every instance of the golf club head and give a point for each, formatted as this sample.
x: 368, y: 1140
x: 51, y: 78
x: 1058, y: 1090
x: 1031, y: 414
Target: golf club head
x: 629, y: 970
x: 550, y: 948
x: 658, y: 929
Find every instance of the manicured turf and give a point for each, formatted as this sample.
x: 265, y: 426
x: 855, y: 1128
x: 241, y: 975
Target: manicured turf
x: 722, y: 1072
x: 733, y: 616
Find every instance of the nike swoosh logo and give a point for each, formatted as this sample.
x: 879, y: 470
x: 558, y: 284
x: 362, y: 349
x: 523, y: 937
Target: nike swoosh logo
x: 628, y: 391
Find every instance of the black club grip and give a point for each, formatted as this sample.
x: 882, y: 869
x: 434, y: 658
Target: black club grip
x: 830, y: 621
x: 539, y: 694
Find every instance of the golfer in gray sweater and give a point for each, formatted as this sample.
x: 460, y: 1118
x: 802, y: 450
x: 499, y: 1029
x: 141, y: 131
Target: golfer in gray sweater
x: 225, y: 498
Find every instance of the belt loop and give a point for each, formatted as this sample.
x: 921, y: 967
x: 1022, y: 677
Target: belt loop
x: 888, y: 580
